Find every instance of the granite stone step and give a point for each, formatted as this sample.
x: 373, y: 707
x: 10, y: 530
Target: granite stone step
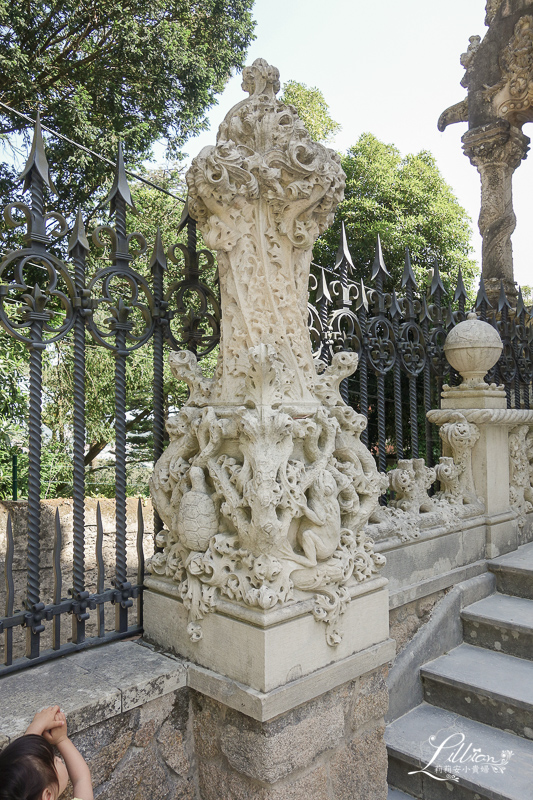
x: 489, y: 687
x: 423, y: 736
x: 502, y: 623
x: 514, y: 571
x: 396, y: 794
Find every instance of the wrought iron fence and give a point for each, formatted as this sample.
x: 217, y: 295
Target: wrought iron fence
x: 46, y: 296
x: 398, y: 335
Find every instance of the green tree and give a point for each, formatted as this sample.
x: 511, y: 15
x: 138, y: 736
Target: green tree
x: 136, y: 70
x: 312, y: 109
x: 409, y: 204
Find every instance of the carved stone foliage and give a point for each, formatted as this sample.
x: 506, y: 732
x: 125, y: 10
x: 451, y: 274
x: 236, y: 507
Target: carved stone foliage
x: 265, y: 499
x: 261, y: 197
x: 410, y: 482
x: 412, y: 508
x: 521, y: 469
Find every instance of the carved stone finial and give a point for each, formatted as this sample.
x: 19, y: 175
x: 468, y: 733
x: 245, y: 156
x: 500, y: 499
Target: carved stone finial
x: 472, y: 348
x: 261, y: 196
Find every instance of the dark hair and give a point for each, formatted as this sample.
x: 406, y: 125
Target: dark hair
x: 27, y: 768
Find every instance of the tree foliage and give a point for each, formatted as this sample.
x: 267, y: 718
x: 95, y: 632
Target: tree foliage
x: 135, y: 70
x: 312, y: 109
x: 408, y: 203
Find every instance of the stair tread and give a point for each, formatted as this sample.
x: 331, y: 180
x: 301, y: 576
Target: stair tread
x: 520, y: 560
x: 511, y: 612
x: 396, y: 794
x: 498, y: 675
x: 408, y: 738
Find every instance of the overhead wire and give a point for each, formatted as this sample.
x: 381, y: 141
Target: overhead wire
x: 93, y: 153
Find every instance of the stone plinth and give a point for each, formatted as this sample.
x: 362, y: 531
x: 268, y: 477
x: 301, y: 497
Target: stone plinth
x: 266, y: 649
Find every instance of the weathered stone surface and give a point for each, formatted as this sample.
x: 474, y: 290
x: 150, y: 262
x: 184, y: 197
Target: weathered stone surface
x: 273, y: 751
x: 207, y: 715
x: 360, y: 769
x: 137, y: 671
x: 406, y: 620
x: 105, y: 744
x: 172, y: 749
x: 370, y: 699
x: 85, y: 698
x: 141, y: 775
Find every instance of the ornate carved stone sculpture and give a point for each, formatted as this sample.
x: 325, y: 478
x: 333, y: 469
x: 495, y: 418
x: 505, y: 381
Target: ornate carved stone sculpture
x: 265, y: 487
x: 410, y: 482
x: 499, y: 80
x: 521, y: 470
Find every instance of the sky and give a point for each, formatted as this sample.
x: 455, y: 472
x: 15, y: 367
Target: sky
x: 389, y: 68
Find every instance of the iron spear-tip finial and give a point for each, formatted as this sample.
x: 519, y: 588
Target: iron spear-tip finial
x: 379, y: 265
x: 78, y: 235
x: 520, y: 306
x: 37, y: 160
x: 460, y: 291
x: 185, y: 214
x: 503, y: 302
x: 158, y: 258
x: 120, y: 187
x: 436, y: 281
x: 343, y: 252
x: 408, y: 277
x: 482, y: 296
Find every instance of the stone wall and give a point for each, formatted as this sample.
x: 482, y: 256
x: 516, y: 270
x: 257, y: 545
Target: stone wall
x: 147, y: 736
x: 327, y: 749
x: 145, y: 753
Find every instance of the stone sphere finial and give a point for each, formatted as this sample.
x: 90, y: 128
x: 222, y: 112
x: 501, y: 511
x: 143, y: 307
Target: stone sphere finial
x: 472, y: 348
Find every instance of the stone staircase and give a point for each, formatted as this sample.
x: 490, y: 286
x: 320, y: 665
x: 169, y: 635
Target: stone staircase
x: 478, y: 697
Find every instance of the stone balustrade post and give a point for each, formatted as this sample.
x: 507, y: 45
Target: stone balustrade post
x: 472, y: 348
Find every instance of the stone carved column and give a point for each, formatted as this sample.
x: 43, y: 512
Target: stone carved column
x: 266, y: 579
x: 496, y: 150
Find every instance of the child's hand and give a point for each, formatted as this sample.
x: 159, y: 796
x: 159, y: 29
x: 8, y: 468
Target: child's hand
x: 58, y: 733
x: 47, y: 720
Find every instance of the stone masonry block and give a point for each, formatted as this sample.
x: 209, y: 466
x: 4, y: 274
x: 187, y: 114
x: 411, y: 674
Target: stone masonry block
x: 360, y: 769
x: 370, y: 699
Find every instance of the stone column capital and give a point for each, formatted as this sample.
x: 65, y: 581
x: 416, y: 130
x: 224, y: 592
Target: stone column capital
x: 499, y: 142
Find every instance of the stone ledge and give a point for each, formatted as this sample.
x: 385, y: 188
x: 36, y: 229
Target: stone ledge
x: 430, y: 585
x: 264, y: 706
x: 90, y: 686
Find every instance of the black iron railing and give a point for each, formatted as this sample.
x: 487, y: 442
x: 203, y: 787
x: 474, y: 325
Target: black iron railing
x: 122, y: 310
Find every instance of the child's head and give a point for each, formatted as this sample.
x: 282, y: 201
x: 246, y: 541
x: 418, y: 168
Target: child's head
x: 29, y: 770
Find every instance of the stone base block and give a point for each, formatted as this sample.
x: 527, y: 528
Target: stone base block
x: 330, y: 748
x: 502, y: 535
x: 265, y: 649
